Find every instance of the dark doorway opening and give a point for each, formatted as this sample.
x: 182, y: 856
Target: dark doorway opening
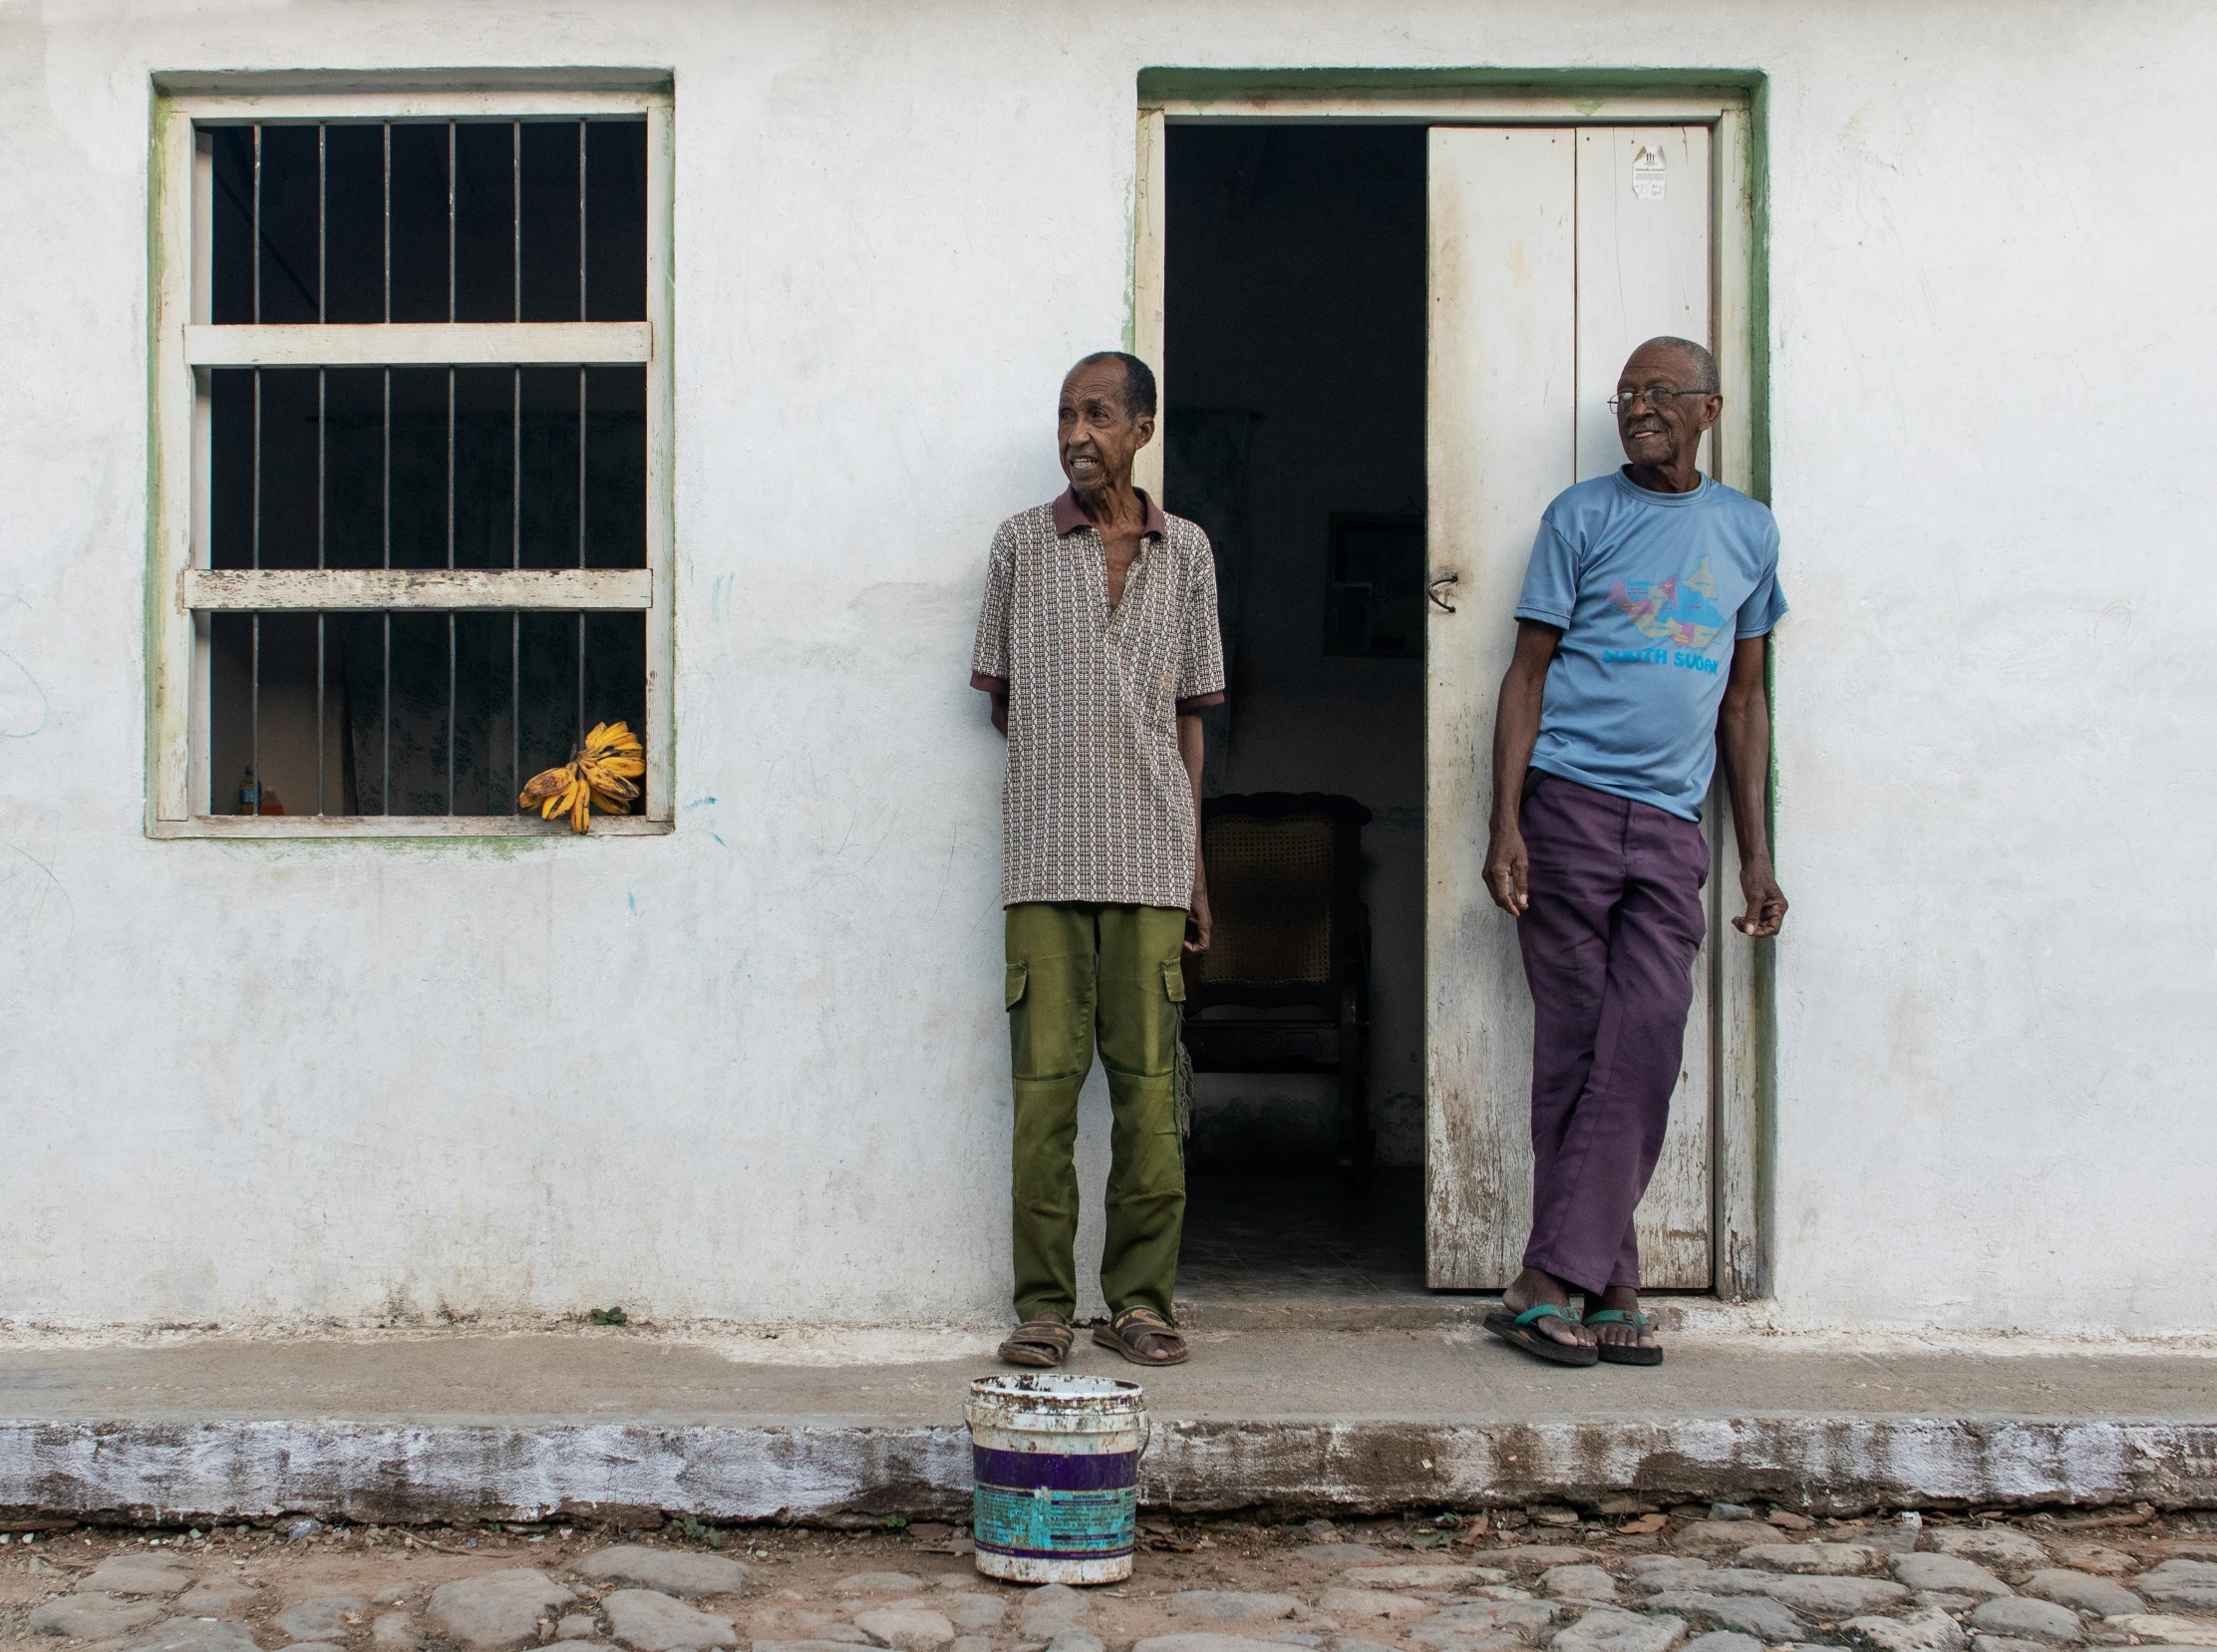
x: 1295, y: 361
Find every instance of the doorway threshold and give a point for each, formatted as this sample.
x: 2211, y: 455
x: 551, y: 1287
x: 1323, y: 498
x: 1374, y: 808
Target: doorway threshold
x: 1260, y: 1237
x: 1306, y: 1248
x: 1423, y: 1310
x: 1395, y: 1311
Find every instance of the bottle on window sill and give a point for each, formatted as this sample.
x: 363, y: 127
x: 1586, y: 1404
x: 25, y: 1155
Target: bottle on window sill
x: 251, y: 793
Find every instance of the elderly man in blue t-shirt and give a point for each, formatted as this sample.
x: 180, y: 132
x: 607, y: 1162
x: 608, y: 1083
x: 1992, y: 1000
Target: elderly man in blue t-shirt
x: 1639, y: 652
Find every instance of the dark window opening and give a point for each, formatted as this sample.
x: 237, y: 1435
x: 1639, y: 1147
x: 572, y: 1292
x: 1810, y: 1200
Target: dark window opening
x: 421, y: 711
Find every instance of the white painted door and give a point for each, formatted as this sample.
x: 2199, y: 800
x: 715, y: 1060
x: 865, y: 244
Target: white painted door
x: 1554, y: 252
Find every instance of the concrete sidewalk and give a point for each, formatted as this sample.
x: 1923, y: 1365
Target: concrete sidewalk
x: 412, y: 1426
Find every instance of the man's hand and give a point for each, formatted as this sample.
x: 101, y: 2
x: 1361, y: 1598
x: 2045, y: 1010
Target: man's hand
x: 1766, y: 903
x: 1197, y: 922
x: 1506, y: 870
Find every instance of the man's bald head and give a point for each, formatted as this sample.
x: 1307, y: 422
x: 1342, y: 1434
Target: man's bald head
x: 1700, y: 367
x: 1667, y: 398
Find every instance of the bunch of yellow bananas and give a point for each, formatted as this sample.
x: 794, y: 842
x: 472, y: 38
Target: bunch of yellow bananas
x: 601, y: 774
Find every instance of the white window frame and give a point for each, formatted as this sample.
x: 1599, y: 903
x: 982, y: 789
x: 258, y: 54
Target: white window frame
x: 183, y: 590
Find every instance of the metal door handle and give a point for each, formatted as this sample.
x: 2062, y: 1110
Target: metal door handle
x: 1440, y: 585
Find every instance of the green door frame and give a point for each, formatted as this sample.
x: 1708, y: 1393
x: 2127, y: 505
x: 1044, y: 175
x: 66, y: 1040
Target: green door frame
x: 1734, y: 103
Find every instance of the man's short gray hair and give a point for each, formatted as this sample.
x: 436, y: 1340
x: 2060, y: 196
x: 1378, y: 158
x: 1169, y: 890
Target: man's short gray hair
x: 1696, y: 356
x: 1139, y: 381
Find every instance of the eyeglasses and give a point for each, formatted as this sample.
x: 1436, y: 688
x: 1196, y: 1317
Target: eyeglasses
x: 1659, y: 400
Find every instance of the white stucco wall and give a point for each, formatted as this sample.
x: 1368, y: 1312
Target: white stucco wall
x: 757, y: 1069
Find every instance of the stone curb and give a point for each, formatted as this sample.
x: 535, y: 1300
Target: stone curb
x: 1841, y: 1465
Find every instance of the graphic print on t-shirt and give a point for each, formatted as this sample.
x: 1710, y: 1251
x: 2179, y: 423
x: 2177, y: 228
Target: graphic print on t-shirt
x: 1647, y: 592
x: 1680, y: 610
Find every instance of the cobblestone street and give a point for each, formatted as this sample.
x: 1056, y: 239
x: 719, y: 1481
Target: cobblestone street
x: 1640, y: 1581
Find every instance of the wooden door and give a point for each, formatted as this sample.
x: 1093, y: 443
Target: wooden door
x: 1553, y: 252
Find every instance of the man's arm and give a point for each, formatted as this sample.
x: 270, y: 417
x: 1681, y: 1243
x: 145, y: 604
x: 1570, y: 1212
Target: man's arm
x: 1744, y: 738
x: 1515, y: 733
x: 1189, y: 748
x: 988, y: 656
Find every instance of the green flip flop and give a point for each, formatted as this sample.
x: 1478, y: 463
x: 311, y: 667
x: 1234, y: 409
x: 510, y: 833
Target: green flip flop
x: 1517, y: 1330
x: 1625, y: 1353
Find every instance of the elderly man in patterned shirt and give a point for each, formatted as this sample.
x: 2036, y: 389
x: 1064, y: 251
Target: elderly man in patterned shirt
x: 1099, y: 644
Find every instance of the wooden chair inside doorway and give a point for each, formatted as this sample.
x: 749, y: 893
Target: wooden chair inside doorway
x: 1285, y: 984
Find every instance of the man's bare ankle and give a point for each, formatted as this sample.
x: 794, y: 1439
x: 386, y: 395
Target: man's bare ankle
x: 1534, y: 1286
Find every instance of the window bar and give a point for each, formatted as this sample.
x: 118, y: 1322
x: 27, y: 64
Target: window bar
x: 254, y: 625
x: 582, y: 314
x: 256, y: 238
x: 515, y: 477
x: 323, y: 205
x: 451, y: 247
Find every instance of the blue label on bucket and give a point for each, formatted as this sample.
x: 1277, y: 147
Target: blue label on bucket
x: 1046, y: 1506
x: 1057, y: 1525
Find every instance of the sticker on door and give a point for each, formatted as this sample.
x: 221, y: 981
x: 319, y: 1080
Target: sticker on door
x: 1647, y: 173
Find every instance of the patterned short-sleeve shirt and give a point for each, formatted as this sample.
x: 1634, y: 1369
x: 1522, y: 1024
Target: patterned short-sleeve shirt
x: 1096, y: 804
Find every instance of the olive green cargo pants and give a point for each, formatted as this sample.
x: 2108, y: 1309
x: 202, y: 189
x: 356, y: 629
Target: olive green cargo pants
x: 1076, y: 969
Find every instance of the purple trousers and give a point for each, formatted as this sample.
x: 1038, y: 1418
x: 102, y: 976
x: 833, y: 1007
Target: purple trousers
x: 1608, y: 943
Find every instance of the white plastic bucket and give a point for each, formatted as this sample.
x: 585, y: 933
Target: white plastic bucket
x: 1056, y: 1461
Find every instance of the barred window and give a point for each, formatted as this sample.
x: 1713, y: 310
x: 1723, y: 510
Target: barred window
x: 426, y: 527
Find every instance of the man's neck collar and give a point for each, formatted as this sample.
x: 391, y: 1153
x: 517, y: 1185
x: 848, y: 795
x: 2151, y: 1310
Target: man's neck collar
x: 1070, y: 516
x: 1631, y: 473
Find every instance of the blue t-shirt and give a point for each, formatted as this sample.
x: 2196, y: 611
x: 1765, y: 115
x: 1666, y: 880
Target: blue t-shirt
x: 1651, y: 591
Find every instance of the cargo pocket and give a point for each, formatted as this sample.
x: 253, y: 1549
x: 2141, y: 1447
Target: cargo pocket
x: 1020, y: 976
x: 1173, y: 981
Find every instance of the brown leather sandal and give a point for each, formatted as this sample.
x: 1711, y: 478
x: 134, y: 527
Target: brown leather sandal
x: 1144, y: 1337
x: 1042, y: 1340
